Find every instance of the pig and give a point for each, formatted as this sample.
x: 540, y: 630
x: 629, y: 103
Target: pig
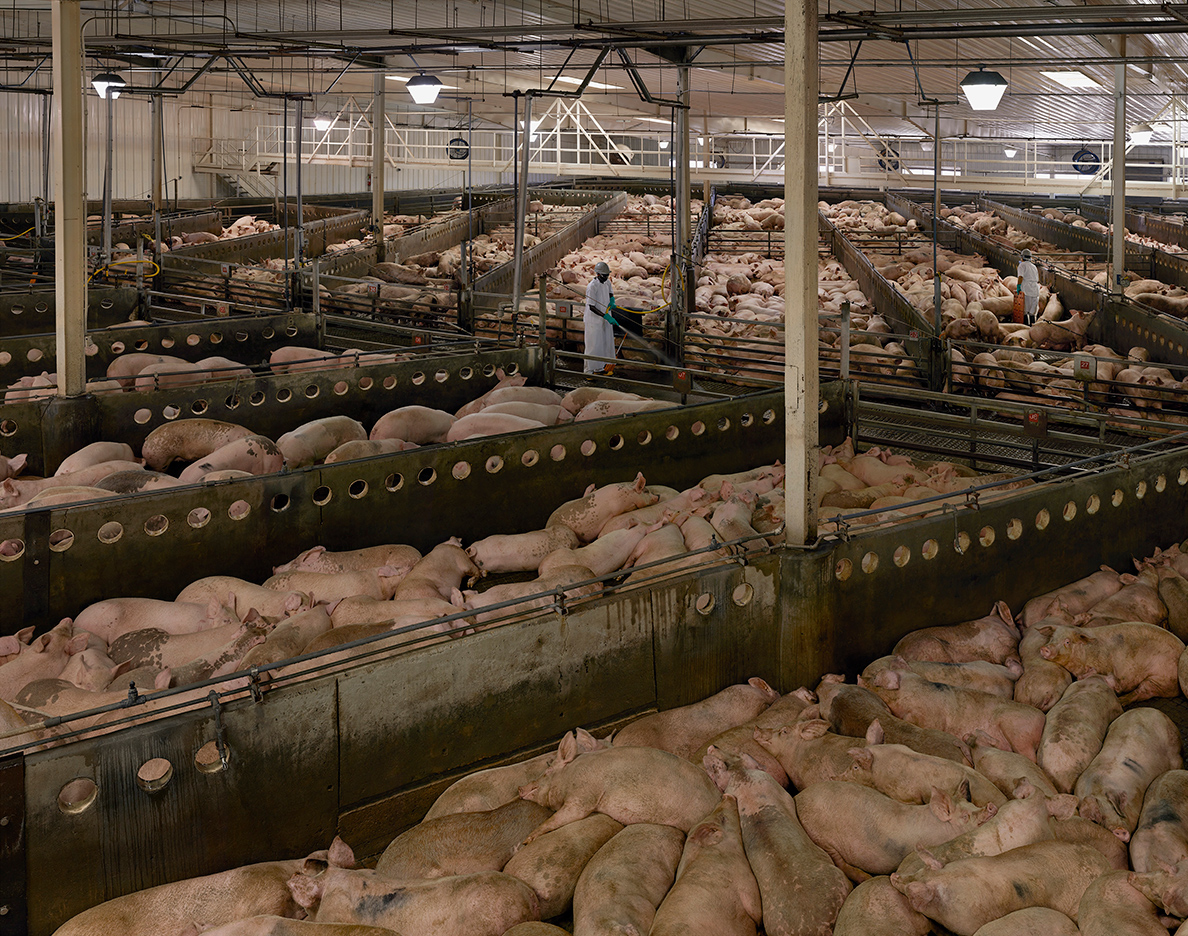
x: 289, y: 638
x: 188, y: 440
x: 1166, y: 887
x: 311, y: 442
x: 739, y: 740
x: 545, y: 414
x: 606, y: 554
x: 293, y: 359
x: 502, y: 396
x: 677, y: 505
x: 368, y: 449
x: 94, y: 454
x: 1139, y: 661
x: 552, y: 864
x: 577, y: 400
x: 480, y: 424
x: 152, y: 646
x: 1111, y: 905
x: 967, y: 894
x: 318, y: 559
x: 627, y: 784
x: 438, y: 573
x: 1141, y: 744
x: 328, y: 587
x: 588, y: 514
x: 867, y: 833
x: 623, y: 884
x: 11, y: 467
x: 461, y: 843
x: 684, y: 729
x: 993, y: 638
x: 92, y: 669
x: 521, y: 552
x: 1137, y: 600
x: 245, y: 595
x: 607, y: 409
x: 1042, y: 683
x: 853, y: 710
x: 217, y: 661
x: 110, y: 618
x: 271, y: 925
x: 1078, y: 831
x: 732, y: 520
x: 361, y: 610
x: 807, y: 750
x: 44, y: 657
x: 125, y: 367
x: 1075, y: 729
x: 254, y: 453
x: 129, y: 482
x: 1072, y: 599
x: 485, y: 904
x: 875, y: 908
x: 1161, y: 838
x: 17, y: 491
x: 1031, y: 920
x: 787, y: 864
x: 420, y: 425
x: 715, y: 893
x: 1014, y: 726
x: 541, y: 592
x: 169, y: 375
x: 1006, y: 769
x: 223, y: 368
x: 664, y: 543
x: 1173, y: 592
x: 985, y: 677
x: 909, y: 777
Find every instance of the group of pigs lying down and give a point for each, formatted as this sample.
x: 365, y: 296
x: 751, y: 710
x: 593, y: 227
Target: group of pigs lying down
x: 982, y: 778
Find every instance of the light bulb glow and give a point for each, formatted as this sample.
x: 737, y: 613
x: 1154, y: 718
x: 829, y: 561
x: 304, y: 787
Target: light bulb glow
x: 1141, y: 133
x: 1011, y: 152
x: 108, y: 84
x: 983, y: 89
x: 322, y: 123
x: 423, y: 88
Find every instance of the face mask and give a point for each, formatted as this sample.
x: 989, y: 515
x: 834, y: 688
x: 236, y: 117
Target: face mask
x: 602, y: 277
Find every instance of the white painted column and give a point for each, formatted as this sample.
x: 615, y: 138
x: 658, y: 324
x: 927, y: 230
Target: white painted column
x: 377, y: 163
x: 1118, y: 170
x: 801, y: 391
x: 70, y: 238
x: 681, y: 152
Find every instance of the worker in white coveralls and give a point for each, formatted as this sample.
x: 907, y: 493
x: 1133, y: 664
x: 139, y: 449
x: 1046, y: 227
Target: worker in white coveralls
x: 599, y: 333
x: 1029, y: 286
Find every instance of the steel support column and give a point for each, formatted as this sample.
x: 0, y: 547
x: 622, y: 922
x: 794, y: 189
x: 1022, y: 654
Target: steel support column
x: 377, y: 164
x: 681, y: 204
x: 1118, y: 171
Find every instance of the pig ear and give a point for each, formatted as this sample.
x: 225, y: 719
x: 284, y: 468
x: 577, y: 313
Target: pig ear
x: 585, y: 741
x: 590, y: 490
x: 805, y: 695
x: 214, y: 609
x: 1047, y: 630
x: 836, y: 678
x: 862, y: 757
x: 716, y: 768
x: 756, y: 683
x: 121, y: 668
x: 963, y: 790
x: 251, y: 617
x: 17, y: 463
x: 1015, y: 667
x: 24, y: 635
x: 941, y: 804
x: 812, y: 713
x: 920, y: 895
x: 164, y: 678
x: 567, y: 750
x: 341, y: 855
x: 1004, y: 612
x: 306, y: 891
x: 814, y: 728
x: 640, y: 483
x: 1127, y: 579
x: 748, y: 761
x: 1023, y: 789
x: 1063, y: 806
x: 761, y: 735
x: 10, y: 645
x: 930, y: 860
x: 887, y: 679
x: 874, y: 732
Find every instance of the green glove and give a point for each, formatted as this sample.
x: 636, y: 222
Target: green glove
x: 611, y: 304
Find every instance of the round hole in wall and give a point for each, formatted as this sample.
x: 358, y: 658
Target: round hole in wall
x: 312, y: 391
x: 1042, y: 519
x: 671, y: 433
x: 358, y: 488
x: 290, y: 330
x: 1093, y: 505
x: 1161, y: 484
x: 769, y: 416
x: 322, y: 495
x: 466, y: 373
x: 284, y: 395
x: 239, y: 510
x: 441, y: 376
x: 117, y: 347
x: 1140, y: 490
x: 843, y: 570
x: 418, y: 378
x: 198, y: 407
x: 193, y: 340
x: 232, y: 402
x: 1182, y: 477
x: 207, y: 759
x: 216, y: 338
x: 1117, y: 497
x: 394, y: 481
x: 723, y: 424
x: 154, y: 775
x: 615, y: 442
x: 77, y: 796
x: 530, y: 458
x: 1070, y: 511
x: 41, y: 307
x: 35, y: 354
x: 171, y: 411
x: 341, y: 388
x: 742, y: 594
x: 704, y: 603
x: 389, y: 382
x: 167, y: 342
x: 279, y: 502
x: 589, y: 447
x: 512, y: 369
x: 426, y: 476
x: 268, y: 333
x: 61, y: 540
x: 986, y: 536
x: 142, y: 416
x: 8, y: 427
x: 156, y: 525
x: 644, y: 438
x: 870, y: 562
x: 107, y: 303
x: 746, y: 420
x: 366, y: 383
x: 17, y: 310
x: 557, y: 452
x: 198, y: 518
x: 902, y: 556
x: 241, y: 336
x: 461, y: 471
x: 489, y: 370
x: 961, y: 543
x: 1014, y: 528
x: 110, y: 532
x: 90, y: 349
x: 698, y: 428
x: 12, y: 550
x: 494, y: 464
x: 5, y: 358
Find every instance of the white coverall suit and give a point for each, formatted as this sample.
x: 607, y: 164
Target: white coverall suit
x: 599, y: 334
x: 1029, y: 279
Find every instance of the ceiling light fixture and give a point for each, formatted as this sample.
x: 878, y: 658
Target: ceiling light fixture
x: 106, y: 83
x: 423, y: 88
x: 1011, y: 152
x: 926, y: 145
x: 832, y: 147
x: 322, y: 122
x: 663, y: 144
x: 1141, y: 133
x: 983, y: 89
x: 701, y: 141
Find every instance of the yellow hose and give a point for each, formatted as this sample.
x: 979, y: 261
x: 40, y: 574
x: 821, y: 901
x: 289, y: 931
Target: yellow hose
x: 115, y: 263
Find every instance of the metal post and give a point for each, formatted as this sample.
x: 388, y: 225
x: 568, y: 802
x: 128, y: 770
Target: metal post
x: 936, y: 277
x: 1118, y: 170
x: 681, y: 202
x: 466, y: 277
x: 801, y: 391
x: 70, y: 235
x: 109, y: 101
x: 158, y: 131
x: 522, y: 204
x: 845, y: 340
x: 299, y: 247
x: 378, y: 133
